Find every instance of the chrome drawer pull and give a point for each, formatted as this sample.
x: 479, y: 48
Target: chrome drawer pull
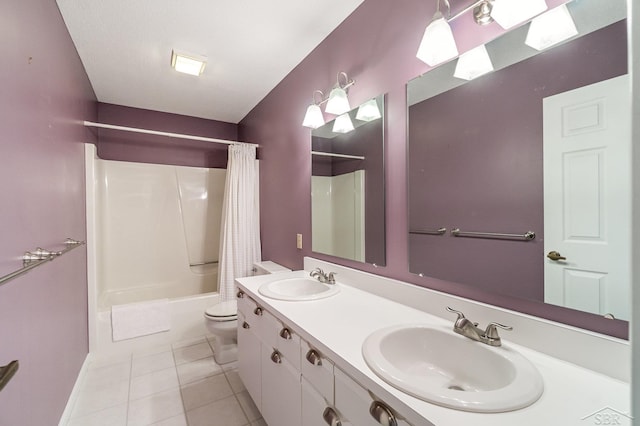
x: 382, y: 414
x: 331, y: 417
x: 314, y: 357
x: 246, y: 325
x: 258, y: 311
x: 285, y: 334
x: 240, y: 294
x: 275, y: 357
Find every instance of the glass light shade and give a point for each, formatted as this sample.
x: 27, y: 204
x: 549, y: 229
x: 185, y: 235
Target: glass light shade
x: 551, y: 28
x: 338, y: 102
x: 187, y: 64
x: 343, y: 124
x: 313, y: 118
x: 438, y: 44
x: 473, y: 63
x: 509, y: 13
x: 368, y: 111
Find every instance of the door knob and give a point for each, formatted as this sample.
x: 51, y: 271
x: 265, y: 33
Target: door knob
x: 554, y: 255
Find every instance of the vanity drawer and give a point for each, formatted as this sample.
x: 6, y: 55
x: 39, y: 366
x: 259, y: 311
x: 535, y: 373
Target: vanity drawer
x: 289, y: 344
x: 354, y: 402
x: 246, y: 305
x: 317, y: 369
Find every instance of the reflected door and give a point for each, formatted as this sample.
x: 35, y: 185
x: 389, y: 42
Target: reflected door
x: 587, y: 187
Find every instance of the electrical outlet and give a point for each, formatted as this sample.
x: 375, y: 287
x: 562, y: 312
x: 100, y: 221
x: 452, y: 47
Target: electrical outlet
x: 299, y: 241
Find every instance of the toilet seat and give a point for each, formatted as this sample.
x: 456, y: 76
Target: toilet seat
x: 223, y: 311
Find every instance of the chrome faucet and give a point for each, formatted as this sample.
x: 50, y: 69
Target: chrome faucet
x: 320, y: 275
x: 470, y: 329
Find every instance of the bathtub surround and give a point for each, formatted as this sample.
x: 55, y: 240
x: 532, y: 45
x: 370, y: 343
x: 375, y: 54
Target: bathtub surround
x: 240, y: 227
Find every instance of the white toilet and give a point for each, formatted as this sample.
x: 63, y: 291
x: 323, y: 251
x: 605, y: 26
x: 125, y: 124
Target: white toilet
x: 222, y: 319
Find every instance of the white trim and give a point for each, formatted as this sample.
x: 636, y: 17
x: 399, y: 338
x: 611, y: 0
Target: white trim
x: 90, y: 157
x: 159, y: 133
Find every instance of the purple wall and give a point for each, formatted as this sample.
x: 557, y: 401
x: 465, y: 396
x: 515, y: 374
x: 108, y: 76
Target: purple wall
x: 483, y: 171
x: 376, y: 46
x: 127, y: 146
x: 45, y: 97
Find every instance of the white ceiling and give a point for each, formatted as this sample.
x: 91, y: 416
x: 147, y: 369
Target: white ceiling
x: 251, y: 45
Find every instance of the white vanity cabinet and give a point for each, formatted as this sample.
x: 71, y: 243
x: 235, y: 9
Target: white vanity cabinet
x: 269, y: 363
x: 292, y: 382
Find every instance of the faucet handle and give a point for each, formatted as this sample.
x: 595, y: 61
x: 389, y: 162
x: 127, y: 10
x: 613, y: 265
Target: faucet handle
x: 492, y: 333
x: 331, y: 279
x: 316, y: 271
x: 460, y: 314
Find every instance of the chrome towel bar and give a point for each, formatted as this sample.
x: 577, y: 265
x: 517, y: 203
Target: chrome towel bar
x: 439, y: 231
x: 527, y: 236
x: 7, y: 372
x: 37, y: 257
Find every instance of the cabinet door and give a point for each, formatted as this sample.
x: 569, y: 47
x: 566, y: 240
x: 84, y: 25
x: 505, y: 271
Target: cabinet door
x: 281, y: 397
x: 354, y: 402
x: 317, y: 369
x: 314, y: 407
x: 249, y: 367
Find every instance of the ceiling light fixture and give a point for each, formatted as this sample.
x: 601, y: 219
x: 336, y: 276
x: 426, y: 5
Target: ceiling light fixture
x: 338, y: 102
x: 187, y: 63
x: 473, y: 64
x: 437, y: 45
x: 313, y: 117
x: 368, y: 111
x: 551, y: 28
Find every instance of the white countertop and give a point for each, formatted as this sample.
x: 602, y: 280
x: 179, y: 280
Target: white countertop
x: 338, y: 326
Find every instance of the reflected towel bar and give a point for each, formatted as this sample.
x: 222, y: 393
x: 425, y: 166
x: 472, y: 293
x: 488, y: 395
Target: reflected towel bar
x: 37, y: 257
x: 440, y: 231
x: 215, y: 262
x: 527, y: 236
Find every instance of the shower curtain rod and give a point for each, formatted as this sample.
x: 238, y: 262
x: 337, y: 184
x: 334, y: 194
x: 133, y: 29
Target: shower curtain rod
x: 169, y: 134
x: 331, y: 154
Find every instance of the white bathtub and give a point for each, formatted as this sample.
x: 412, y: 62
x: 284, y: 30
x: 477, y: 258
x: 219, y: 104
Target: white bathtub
x: 187, y: 322
x: 152, y: 233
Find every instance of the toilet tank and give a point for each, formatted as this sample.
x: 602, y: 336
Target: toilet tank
x: 268, y: 267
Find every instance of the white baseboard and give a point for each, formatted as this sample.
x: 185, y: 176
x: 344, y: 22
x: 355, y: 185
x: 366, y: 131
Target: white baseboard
x: 66, y: 414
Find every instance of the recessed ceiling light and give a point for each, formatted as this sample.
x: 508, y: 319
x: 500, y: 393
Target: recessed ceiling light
x: 188, y: 63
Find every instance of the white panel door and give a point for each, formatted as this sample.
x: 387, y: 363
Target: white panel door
x: 587, y: 193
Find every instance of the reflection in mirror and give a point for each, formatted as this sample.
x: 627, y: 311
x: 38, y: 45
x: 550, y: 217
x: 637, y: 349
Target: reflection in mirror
x: 347, y: 185
x: 526, y: 148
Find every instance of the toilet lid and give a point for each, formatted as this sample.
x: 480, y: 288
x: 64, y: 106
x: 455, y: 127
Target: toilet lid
x: 223, y: 311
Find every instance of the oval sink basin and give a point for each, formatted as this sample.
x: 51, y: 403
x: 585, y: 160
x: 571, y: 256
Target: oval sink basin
x: 298, y: 289
x: 439, y: 366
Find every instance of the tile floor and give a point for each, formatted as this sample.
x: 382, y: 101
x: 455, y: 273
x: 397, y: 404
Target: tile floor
x: 173, y: 385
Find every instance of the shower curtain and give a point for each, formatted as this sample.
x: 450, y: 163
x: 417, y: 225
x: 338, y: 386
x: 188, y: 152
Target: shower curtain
x: 240, y: 227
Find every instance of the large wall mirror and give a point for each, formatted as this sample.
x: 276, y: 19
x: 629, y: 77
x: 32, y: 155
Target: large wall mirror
x: 519, y: 180
x: 347, y: 186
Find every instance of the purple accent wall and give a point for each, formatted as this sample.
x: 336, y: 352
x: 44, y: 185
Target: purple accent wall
x: 143, y: 148
x: 483, y: 170
x: 366, y: 141
x: 45, y: 96
x: 376, y: 46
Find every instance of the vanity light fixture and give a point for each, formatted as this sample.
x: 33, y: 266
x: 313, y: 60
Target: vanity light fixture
x: 551, y: 28
x: 188, y: 63
x: 314, y: 118
x: 437, y: 45
x: 473, y: 64
x: 368, y: 111
x: 343, y: 124
x: 509, y: 13
x: 338, y: 102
